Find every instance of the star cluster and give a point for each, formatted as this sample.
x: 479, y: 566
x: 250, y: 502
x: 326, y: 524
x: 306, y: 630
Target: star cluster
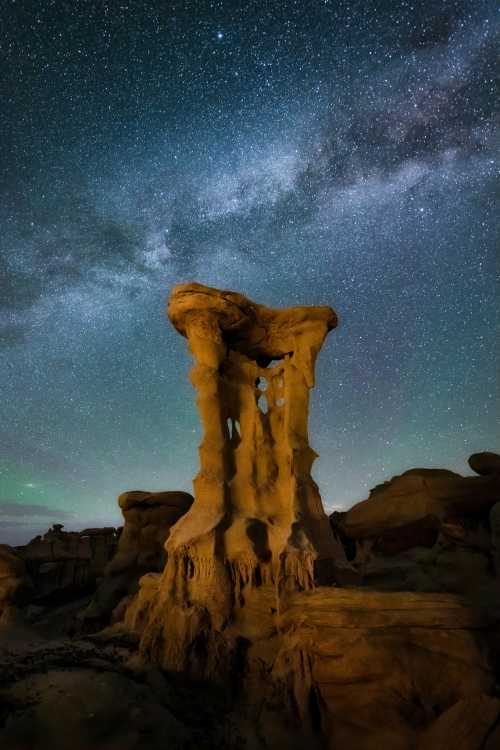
x: 322, y: 152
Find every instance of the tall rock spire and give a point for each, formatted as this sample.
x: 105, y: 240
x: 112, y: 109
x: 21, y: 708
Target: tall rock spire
x: 257, y: 528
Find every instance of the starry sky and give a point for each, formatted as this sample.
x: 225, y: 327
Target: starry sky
x: 300, y: 152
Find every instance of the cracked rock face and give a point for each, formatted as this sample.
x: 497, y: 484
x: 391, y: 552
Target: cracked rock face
x: 257, y: 522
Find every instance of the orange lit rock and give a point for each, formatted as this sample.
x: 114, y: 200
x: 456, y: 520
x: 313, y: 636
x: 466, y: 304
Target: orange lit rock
x: 311, y: 666
x: 378, y: 668
x: 257, y: 527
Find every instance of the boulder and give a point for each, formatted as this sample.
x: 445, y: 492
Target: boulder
x: 485, y: 463
x: 421, y: 495
x: 148, y: 516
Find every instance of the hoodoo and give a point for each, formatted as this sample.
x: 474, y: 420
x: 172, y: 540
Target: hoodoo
x: 257, y: 529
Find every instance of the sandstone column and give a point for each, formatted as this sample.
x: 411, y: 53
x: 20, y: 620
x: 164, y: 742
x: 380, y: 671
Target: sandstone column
x: 257, y: 528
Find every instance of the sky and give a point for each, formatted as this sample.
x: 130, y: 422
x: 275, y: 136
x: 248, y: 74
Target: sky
x: 299, y: 152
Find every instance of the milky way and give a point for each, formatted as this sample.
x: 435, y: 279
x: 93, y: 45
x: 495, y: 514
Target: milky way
x: 298, y: 152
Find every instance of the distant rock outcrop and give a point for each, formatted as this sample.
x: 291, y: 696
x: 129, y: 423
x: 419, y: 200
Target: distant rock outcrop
x: 66, y: 564
x: 148, y: 518
x: 426, y: 530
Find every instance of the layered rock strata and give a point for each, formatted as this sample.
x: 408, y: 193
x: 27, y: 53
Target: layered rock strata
x: 64, y: 564
x: 392, y: 670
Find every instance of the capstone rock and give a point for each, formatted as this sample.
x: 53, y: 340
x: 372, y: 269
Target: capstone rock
x: 485, y: 463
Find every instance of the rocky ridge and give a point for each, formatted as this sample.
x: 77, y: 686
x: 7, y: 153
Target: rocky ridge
x: 426, y: 530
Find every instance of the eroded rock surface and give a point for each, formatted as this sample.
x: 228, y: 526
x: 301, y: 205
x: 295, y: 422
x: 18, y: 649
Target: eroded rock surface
x: 257, y: 522
x: 426, y: 530
x: 334, y: 668
x: 66, y: 564
x: 148, y: 518
x: 16, y: 589
x: 468, y: 725
x: 14, y: 583
x: 377, y: 669
x: 238, y: 600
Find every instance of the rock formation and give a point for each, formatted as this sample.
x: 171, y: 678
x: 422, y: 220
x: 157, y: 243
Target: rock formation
x: 148, y: 518
x: 383, y: 669
x: 257, y: 526
x: 66, y: 564
x: 15, y: 588
x: 426, y: 530
x: 485, y: 463
x: 236, y: 587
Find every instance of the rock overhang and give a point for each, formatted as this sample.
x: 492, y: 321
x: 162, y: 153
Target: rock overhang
x: 261, y: 333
